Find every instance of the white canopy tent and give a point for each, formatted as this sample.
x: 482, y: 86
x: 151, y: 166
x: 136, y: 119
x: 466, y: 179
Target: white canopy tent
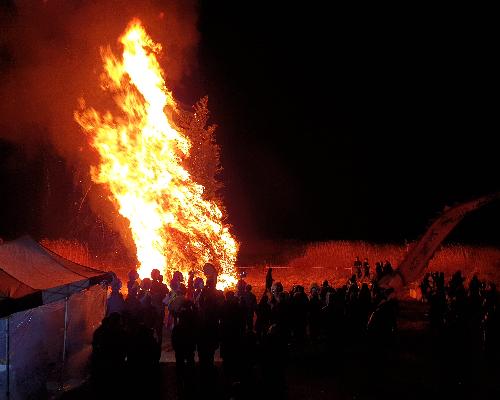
x: 49, y: 309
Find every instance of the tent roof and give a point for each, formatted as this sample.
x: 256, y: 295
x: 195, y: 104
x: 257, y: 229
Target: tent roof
x: 29, y: 270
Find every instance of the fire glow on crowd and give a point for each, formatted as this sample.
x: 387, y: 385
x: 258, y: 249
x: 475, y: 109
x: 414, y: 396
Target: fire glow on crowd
x: 141, y: 161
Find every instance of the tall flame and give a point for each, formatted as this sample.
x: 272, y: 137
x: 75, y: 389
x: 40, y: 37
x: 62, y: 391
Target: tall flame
x: 141, y: 155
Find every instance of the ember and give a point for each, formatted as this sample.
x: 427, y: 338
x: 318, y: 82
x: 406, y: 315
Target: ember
x: 141, y: 161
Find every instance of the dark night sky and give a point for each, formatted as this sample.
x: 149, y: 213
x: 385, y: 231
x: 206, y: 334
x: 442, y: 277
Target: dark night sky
x: 337, y: 123
x: 352, y: 123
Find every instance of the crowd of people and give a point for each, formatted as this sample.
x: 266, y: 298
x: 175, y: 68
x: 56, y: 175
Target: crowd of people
x: 128, y: 341
x: 252, y: 334
x: 255, y: 335
x: 362, y: 269
x: 467, y: 314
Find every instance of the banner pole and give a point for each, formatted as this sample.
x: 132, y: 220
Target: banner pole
x: 61, y: 383
x: 7, y: 348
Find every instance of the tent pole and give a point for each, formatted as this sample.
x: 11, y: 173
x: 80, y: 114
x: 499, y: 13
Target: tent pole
x: 7, y: 348
x: 61, y: 383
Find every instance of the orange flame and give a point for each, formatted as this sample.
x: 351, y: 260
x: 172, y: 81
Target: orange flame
x: 141, y: 154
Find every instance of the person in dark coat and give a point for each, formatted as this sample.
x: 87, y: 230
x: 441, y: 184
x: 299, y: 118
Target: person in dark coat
x: 274, y: 361
x: 299, y: 307
x: 115, y: 302
x: 210, y: 308
x: 315, y: 307
x: 379, y: 271
x: 323, y: 292
x: 269, y: 279
x: 232, y: 331
x: 109, y: 350
x: 143, y: 356
x: 158, y: 292
x: 366, y: 269
x: 357, y: 267
x: 262, y: 322
x: 387, y: 269
x: 184, y: 342
x: 249, y: 304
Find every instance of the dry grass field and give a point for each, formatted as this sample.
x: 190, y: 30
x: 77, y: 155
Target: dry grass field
x: 332, y: 260
x: 304, y: 264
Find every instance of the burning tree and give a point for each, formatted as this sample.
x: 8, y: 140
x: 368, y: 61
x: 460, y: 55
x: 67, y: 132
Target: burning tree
x: 144, y: 158
x: 203, y: 162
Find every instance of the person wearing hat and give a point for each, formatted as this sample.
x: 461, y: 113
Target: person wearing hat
x: 115, y: 302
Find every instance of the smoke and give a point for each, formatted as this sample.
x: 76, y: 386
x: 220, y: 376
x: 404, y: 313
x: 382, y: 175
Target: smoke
x: 50, y: 58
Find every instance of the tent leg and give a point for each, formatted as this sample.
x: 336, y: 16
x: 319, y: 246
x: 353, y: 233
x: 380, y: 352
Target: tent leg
x: 7, y: 353
x: 61, y: 383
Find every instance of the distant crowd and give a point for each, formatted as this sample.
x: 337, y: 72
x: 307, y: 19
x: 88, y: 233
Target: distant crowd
x: 363, y: 269
x: 469, y: 314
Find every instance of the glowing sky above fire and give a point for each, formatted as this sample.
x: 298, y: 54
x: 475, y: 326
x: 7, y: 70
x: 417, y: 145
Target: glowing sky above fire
x: 319, y: 111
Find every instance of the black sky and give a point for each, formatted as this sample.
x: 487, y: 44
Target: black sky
x: 352, y: 123
x: 334, y: 123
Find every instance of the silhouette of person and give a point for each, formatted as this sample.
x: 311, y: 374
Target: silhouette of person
x: 263, y: 319
x: 115, y: 302
x: 210, y: 308
x: 366, y: 268
x: 132, y: 285
x: 269, y: 279
x: 184, y: 343
x: 357, y: 267
x: 109, y: 350
x: 379, y: 271
x: 249, y: 303
x: 387, y: 268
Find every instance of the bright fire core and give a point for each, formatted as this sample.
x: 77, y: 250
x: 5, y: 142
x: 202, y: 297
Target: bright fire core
x: 141, y: 154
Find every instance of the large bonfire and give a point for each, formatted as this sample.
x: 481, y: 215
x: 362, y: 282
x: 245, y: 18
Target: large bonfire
x: 142, y: 157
